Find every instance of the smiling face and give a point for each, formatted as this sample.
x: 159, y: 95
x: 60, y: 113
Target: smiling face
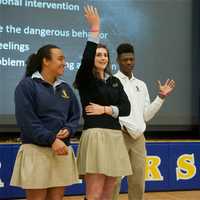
x: 56, y: 63
x: 101, y: 59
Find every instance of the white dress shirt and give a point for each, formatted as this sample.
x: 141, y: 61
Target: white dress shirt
x: 141, y: 108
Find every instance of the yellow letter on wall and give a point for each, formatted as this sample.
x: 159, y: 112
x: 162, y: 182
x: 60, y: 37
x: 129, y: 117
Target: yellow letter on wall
x: 152, y: 172
x: 186, y: 168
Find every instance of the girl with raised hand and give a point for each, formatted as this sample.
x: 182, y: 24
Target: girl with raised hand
x: 102, y: 155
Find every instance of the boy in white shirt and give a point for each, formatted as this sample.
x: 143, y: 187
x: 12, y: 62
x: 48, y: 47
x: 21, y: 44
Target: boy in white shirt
x: 134, y: 125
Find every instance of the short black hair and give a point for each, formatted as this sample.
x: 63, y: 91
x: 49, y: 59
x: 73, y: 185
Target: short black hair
x: 125, y: 48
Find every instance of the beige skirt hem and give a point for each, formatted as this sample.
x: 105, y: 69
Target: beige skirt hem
x: 103, y: 151
x: 38, y: 167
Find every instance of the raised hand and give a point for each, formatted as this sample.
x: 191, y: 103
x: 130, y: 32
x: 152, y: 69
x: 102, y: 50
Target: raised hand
x: 167, y: 88
x: 92, y: 18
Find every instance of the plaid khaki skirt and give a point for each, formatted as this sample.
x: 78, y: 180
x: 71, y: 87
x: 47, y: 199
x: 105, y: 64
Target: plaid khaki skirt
x: 38, y: 167
x: 103, y: 151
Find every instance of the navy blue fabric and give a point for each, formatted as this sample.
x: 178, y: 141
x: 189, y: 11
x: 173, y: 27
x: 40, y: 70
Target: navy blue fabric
x: 42, y: 111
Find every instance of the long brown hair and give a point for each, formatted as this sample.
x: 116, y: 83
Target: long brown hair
x: 108, y: 69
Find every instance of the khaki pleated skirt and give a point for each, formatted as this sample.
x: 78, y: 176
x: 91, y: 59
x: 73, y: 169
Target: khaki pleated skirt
x: 39, y: 167
x: 103, y: 151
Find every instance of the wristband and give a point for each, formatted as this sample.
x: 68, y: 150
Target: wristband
x: 162, y: 95
x: 94, y: 30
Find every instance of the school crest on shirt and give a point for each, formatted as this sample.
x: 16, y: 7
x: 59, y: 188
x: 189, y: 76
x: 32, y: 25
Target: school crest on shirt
x: 112, y: 82
x: 64, y: 94
x: 115, y: 85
